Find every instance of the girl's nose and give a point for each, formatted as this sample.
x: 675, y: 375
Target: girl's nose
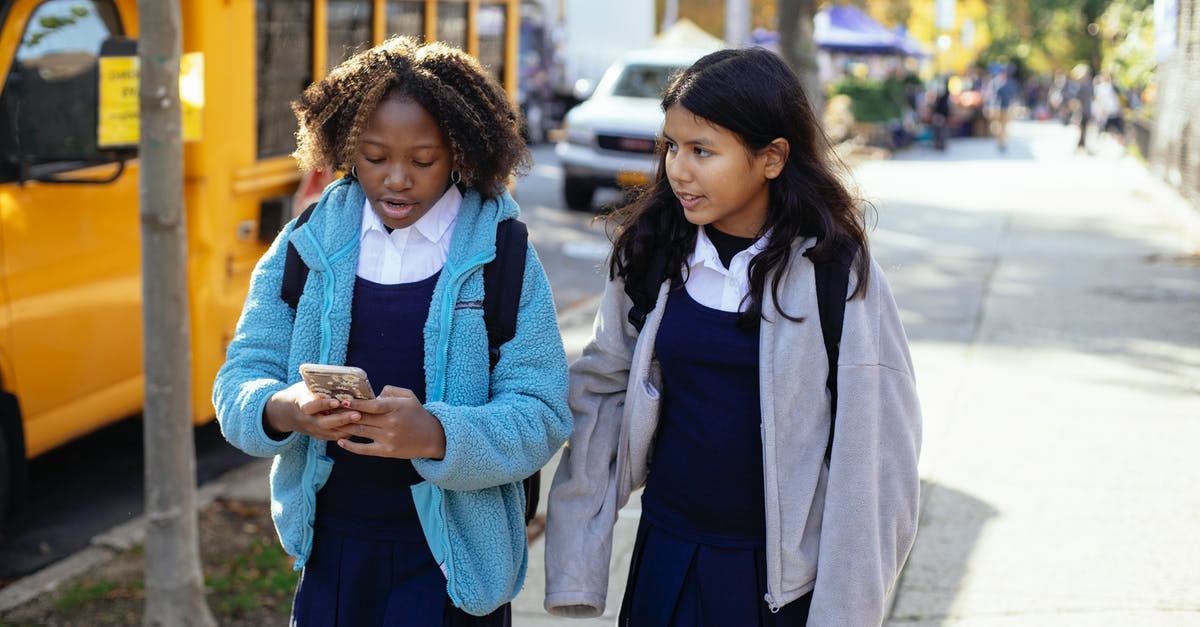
x: 397, y: 178
x: 676, y: 169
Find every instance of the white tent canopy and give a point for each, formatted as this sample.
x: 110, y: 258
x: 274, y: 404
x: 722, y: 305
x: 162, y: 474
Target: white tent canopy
x: 684, y: 33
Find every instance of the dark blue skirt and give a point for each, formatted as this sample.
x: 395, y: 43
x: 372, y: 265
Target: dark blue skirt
x: 676, y: 582
x: 354, y: 580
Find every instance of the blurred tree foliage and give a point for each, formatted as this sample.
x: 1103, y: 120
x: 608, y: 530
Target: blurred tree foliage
x: 1044, y: 36
x: 1127, y: 32
x: 872, y: 101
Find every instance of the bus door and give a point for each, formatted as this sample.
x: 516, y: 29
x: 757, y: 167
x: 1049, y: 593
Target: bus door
x: 70, y: 250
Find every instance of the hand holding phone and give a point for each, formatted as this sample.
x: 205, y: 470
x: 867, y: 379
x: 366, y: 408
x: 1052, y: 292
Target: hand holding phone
x: 340, y: 382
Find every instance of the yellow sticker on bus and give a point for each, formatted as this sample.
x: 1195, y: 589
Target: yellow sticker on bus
x: 117, y: 120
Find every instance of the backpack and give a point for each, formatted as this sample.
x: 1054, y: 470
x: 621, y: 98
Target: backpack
x: 833, y: 278
x: 502, y: 281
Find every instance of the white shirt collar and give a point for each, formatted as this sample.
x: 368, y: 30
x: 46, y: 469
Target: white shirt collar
x: 432, y: 226
x: 705, y: 252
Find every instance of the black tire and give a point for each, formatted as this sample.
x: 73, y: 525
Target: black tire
x: 578, y: 194
x: 7, y: 484
x: 14, y: 484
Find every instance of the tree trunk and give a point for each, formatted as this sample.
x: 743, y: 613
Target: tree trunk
x: 174, y: 583
x: 799, y: 49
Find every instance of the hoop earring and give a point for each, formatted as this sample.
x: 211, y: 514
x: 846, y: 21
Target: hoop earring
x: 455, y: 177
x: 353, y: 171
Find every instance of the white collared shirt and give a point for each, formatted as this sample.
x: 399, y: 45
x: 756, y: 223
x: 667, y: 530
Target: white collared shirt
x: 713, y: 285
x: 410, y: 254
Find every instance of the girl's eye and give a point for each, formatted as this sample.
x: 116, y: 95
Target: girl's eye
x: 701, y: 152
x: 670, y: 146
x: 423, y: 164
x: 374, y: 159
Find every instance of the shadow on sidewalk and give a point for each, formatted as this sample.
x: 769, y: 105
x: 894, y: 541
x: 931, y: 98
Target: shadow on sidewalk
x: 951, y: 525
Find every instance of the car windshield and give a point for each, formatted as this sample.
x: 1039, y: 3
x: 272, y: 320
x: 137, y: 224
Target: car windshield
x: 643, y: 81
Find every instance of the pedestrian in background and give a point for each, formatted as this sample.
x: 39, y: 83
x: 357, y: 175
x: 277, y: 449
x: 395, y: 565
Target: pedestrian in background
x: 407, y: 509
x: 1002, y: 92
x: 941, y: 113
x: 1107, y: 109
x: 719, y: 405
x: 1082, y: 76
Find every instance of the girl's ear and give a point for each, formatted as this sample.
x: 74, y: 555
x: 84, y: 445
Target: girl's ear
x: 775, y: 155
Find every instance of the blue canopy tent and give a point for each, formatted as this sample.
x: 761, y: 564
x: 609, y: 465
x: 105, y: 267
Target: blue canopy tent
x: 909, y: 46
x: 842, y: 28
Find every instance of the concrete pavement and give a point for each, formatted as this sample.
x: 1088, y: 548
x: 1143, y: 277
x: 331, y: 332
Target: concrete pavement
x: 1052, y: 300
x: 1053, y: 303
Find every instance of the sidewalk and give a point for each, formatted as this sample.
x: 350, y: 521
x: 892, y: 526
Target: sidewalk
x: 1053, y: 303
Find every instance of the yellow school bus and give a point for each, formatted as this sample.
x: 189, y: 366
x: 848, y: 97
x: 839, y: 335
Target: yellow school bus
x: 70, y: 267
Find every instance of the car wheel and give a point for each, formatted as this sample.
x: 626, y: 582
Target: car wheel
x: 578, y: 194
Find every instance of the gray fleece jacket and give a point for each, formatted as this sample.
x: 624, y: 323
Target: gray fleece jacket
x: 840, y: 531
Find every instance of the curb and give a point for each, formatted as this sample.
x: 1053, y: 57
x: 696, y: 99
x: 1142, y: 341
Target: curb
x: 102, y: 548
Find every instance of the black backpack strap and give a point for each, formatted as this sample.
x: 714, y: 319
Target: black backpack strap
x: 503, y: 278
x: 502, y: 282
x: 645, y: 294
x: 833, y: 279
x: 295, y: 272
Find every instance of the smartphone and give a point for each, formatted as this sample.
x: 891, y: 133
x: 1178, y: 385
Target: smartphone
x: 340, y: 382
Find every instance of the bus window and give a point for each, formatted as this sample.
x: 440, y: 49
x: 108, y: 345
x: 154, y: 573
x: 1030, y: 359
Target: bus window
x: 284, y: 31
x: 47, y: 106
x: 406, y: 17
x: 349, y: 29
x: 452, y: 23
x: 491, y: 39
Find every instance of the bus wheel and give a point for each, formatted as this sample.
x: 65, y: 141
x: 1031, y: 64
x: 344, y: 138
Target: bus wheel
x: 6, y: 481
x: 13, y: 468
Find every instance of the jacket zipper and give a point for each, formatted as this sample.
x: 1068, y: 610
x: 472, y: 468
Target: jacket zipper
x: 770, y: 487
x: 443, y: 341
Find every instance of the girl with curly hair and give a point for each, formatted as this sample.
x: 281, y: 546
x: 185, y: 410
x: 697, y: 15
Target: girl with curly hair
x: 719, y: 405
x: 406, y: 509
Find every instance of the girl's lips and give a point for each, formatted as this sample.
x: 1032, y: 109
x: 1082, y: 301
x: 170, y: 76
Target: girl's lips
x: 689, y: 201
x: 395, y: 209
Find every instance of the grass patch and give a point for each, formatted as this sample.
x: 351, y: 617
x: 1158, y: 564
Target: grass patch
x: 249, y: 581
x: 88, y: 592
x: 260, y: 576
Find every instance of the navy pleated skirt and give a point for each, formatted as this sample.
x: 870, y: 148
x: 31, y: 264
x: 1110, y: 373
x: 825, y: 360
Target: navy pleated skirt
x: 352, y: 580
x: 676, y: 582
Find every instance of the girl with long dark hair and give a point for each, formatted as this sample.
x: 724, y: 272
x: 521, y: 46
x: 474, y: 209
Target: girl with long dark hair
x: 718, y: 405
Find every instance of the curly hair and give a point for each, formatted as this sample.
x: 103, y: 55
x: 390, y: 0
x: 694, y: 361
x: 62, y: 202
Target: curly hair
x: 471, y: 108
x: 752, y: 93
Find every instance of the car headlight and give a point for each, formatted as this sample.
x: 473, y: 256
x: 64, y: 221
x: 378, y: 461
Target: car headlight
x: 580, y: 136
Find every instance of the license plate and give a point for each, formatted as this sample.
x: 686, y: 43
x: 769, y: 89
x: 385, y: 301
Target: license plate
x: 632, y: 179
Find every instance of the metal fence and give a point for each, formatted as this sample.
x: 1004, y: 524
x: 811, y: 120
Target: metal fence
x: 1175, y: 143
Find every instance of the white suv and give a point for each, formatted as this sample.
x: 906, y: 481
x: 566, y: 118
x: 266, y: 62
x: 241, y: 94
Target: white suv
x: 611, y: 138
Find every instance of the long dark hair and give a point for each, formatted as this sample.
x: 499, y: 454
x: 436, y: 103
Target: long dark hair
x: 754, y: 94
